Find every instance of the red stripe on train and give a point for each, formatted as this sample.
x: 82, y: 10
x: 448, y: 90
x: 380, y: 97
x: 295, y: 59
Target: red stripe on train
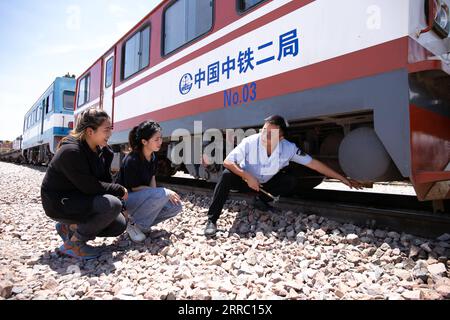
x: 375, y: 60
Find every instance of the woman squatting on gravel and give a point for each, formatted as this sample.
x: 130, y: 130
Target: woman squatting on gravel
x: 78, y: 191
x: 147, y: 205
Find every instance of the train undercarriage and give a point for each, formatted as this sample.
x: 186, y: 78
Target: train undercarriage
x: 39, y: 155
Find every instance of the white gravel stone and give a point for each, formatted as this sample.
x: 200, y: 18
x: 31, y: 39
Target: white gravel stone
x: 444, y: 291
x: 402, y: 274
x: 6, y: 288
x: 352, y: 238
x: 421, y: 270
x: 394, y: 296
x: 437, y: 269
x: 412, y: 295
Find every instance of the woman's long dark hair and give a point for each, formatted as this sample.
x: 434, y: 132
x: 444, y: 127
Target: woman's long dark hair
x: 145, y: 131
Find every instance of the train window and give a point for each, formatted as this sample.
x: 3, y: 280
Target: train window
x: 68, y: 100
x: 244, y: 5
x: 35, y: 112
x: 184, y: 21
x: 50, y: 102
x: 136, y: 53
x: 109, y: 72
x: 83, y: 91
x: 45, y: 106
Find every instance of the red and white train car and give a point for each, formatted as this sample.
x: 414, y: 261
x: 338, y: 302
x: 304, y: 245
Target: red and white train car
x: 364, y: 83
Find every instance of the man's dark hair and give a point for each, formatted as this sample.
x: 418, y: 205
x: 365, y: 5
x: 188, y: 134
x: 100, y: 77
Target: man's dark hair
x: 278, y: 121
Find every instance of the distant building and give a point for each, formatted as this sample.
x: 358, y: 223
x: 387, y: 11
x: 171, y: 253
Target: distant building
x: 5, y: 146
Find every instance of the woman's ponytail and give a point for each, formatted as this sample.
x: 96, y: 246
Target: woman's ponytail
x: 133, y: 140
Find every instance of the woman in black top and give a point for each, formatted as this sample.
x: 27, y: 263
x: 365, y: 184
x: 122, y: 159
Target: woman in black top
x: 147, y: 205
x: 77, y: 190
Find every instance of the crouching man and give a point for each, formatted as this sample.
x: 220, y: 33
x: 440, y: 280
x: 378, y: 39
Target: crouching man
x: 257, y: 163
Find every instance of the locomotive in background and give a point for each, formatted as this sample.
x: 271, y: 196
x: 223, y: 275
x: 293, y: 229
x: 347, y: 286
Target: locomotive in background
x: 48, y: 121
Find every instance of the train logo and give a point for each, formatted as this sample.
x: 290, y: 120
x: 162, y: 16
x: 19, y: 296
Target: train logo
x: 186, y: 84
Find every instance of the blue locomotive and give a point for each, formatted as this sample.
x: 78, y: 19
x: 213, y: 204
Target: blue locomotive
x: 48, y: 121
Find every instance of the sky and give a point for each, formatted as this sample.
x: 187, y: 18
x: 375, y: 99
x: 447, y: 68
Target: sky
x: 45, y: 39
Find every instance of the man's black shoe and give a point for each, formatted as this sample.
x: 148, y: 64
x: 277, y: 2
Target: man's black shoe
x: 211, y: 229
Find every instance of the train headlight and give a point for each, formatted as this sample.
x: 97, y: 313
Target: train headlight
x: 441, y: 20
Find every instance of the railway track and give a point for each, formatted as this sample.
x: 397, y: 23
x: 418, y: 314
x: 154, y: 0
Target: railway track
x: 399, y: 213
x: 12, y: 156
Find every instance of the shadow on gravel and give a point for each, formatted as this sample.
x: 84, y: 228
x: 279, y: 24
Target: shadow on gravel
x: 110, y: 261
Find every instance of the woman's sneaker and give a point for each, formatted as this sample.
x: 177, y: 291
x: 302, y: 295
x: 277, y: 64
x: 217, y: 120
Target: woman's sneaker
x: 64, y: 231
x: 135, y: 233
x: 79, y: 250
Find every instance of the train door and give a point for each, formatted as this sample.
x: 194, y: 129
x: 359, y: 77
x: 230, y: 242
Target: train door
x: 41, y: 116
x: 108, y: 84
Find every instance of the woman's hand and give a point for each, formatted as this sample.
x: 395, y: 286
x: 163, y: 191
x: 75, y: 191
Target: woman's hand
x: 174, y: 198
x: 353, y: 184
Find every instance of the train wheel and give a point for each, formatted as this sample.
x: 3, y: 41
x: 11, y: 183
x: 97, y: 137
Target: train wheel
x: 165, y: 168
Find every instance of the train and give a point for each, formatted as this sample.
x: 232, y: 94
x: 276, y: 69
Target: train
x: 17, y: 144
x: 49, y: 120
x: 13, y: 154
x: 364, y: 84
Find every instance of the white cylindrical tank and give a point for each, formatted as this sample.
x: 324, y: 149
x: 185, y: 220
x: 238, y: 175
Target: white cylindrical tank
x: 362, y: 156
